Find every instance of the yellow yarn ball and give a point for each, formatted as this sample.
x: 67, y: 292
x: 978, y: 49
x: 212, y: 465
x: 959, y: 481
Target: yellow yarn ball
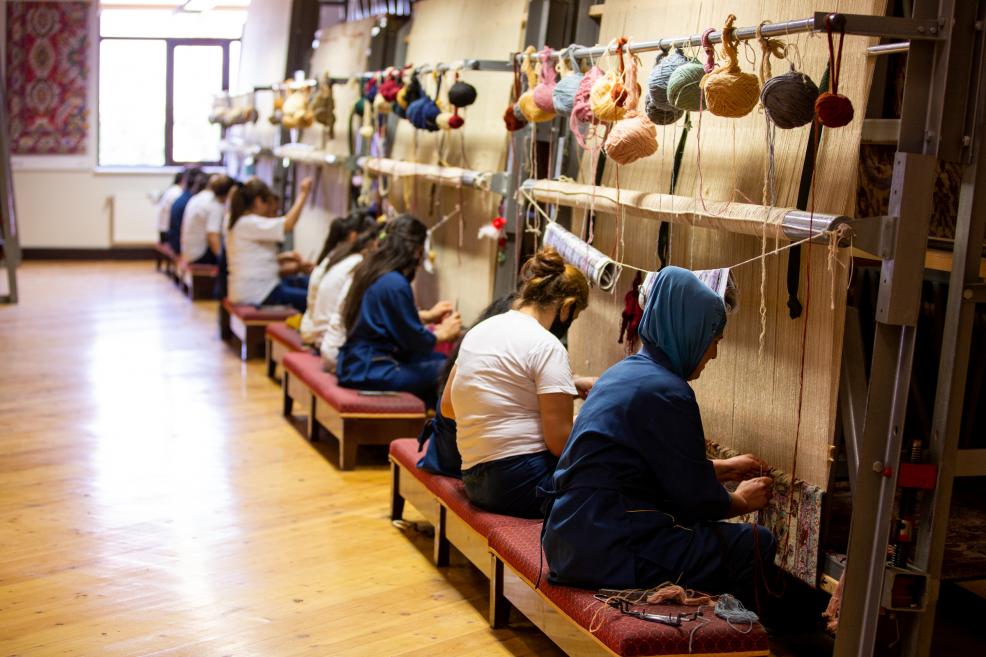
x: 530, y: 109
x: 402, y: 97
x: 381, y: 105
x: 366, y: 132
x: 730, y: 92
x: 604, y: 107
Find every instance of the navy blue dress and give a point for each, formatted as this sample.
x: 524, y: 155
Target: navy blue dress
x: 389, y: 348
x: 175, y: 221
x: 636, y: 501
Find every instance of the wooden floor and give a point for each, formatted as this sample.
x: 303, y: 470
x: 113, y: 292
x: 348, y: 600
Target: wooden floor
x: 153, y: 501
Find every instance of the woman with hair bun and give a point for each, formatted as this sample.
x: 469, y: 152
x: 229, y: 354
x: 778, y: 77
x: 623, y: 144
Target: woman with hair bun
x: 253, y: 242
x: 387, y: 345
x: 511, y: 392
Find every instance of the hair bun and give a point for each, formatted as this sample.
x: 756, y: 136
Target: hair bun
x: 546, y: 263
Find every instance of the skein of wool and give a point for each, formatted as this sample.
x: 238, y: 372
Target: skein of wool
x: 660, y: 115
x: 581, y: 108
x: 407, y: 95
x: 528, y: 105
x: 381, y: 105
x: 549, y: 78
x: 461, y: 94
x: 729, y: 91
x: 512, y: 118
x: 609, y: 94
x: 684, y: 87
x: 660, y: 75
x: 422, y: 114
x: 391, y: 86
x: 834, y: 110
x: 635, y: 136
x: 789, y: 99
x: 563, y: 97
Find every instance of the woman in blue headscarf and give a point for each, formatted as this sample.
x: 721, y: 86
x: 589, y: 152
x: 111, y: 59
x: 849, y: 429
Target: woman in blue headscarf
x: 636, y: 503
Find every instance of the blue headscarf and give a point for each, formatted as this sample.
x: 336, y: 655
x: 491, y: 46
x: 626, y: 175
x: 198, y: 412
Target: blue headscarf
x: 682, y: 318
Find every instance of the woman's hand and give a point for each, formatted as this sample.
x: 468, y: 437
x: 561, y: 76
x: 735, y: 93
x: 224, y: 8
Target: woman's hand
x: 449, y: 329
x: 584, y: 384
x: 751, y: 495
x: 305, y: 186
x: 436, y: 313
x: 739, y: 468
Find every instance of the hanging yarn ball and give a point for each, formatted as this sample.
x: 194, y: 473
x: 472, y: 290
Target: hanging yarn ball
x: 529, y: 107
x: 390, y: 87
x: 422, y: 114
x: 461, y: 94
x: 834, y: 110
x: 359, y: 107
x: 370, y: 89
x: 512, y: 121
x: 608, y: 98
x: 635, y: 136
x: 563, y: 97
x: 660, y: 115
x: 455, y: 121
x: 684, y: 87
x: 789, y: 99
x: 581, y: 108
x: 660, y: 75
x: 729, y: 91
x: 543, y: 92
x: 381, y: 105
x: 442, y: 121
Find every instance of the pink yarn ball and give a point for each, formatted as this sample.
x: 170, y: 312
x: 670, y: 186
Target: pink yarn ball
x: 582, y: 109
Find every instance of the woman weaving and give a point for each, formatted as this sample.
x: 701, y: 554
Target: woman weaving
x: 636, y: 501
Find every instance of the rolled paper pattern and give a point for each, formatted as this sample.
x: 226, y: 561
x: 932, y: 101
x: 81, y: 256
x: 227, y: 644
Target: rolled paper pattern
x: 601, y: 270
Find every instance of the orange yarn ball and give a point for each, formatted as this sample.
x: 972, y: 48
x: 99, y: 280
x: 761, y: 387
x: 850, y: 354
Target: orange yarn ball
x: 631, y: 139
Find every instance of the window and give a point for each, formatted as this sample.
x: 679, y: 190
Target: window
x: 159, y: 70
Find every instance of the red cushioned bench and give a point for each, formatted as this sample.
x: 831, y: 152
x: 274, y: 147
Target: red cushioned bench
x: 508, y: 550
x: 249, y: 323
x: 353, y: 417
x: 165, y: 255
x: 197, y: 281
x: 279, y: 340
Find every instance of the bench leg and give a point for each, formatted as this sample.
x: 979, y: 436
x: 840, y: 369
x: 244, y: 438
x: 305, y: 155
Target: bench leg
x: 225, y: 333
x: 288, y: 403
x: 347, y: 451
x: 269, y: 355
x: 499, y: 605
x: 396, y: 501
x: 312, y: 424
x: 442, y: 545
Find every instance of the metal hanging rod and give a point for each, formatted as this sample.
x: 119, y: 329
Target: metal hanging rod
x: 856, y: 24
x: 889, y: 48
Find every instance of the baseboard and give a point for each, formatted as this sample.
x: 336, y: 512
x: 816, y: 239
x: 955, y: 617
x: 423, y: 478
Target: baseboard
x: 121, y: 253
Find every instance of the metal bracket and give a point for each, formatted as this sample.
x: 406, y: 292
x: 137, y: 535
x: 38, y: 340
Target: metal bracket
x: 881, y: 26
x: 875, y: 235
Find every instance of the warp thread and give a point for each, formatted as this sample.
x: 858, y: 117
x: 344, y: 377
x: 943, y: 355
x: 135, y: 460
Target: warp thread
x: 635, y: 136
x: 834, y: 110
x: 729, y: 91
x: 609, y: 95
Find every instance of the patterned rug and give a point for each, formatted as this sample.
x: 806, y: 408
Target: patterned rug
x: 47, y: 77
x: 794, y: 515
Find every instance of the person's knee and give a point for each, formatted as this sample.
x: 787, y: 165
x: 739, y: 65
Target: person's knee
x: 764, y: 540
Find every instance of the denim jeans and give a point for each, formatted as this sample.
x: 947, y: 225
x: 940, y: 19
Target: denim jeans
x: 291, y: 291
x: 510, y: 486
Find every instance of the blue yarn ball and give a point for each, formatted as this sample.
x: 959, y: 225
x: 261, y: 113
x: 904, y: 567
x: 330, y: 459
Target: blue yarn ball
x: 660, y: 115
x: 563, y: 96
x: 660, y: 75
x: 422, y: 114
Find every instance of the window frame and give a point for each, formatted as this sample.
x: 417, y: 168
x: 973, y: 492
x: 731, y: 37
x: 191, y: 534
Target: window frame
x: 169, y: 117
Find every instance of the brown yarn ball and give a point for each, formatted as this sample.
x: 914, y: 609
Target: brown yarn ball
x: 834, y: 110
x: 512, y: 121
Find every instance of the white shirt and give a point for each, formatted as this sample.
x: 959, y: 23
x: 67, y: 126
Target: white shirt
x: 203, y: 215
x: 307, y: 327
x: 251, y: 253
x: 504, y: 363
x: 332, y: 293
x: 168, y: 198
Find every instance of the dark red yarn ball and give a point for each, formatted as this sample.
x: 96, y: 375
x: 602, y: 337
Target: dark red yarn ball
x: 455, y: 121
x: 834, y: 110
x: 510, y: 120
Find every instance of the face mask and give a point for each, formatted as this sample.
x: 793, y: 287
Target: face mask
x: 559, y: 328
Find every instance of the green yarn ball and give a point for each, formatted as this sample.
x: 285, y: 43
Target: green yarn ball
x: 684, y: 91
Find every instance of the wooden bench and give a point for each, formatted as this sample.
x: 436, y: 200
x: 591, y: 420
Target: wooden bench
x: 197, y: 281
x: 508, y: 550
x: 166, y: 256
x: 353, y: 417
x: 248, y: 324
x: 279, y: 340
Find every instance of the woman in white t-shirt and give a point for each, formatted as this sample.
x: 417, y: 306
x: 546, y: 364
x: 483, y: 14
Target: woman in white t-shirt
x: 252, y: 244
x: 334, y: 289
x: 201, y: 229
x: 343, y: 231
x: 511, y: 392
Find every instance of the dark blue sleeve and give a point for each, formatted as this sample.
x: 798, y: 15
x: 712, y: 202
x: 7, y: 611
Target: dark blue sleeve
x: 396, y: 310
x: 676, y: 454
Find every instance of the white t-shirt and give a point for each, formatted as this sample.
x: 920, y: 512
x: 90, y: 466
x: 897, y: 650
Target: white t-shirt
x: 251, y: 254
x: 327, y: 318
x: 203, y: 215
x: 307, y: 327
x: 164, y: 204
x: 504, y: 363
